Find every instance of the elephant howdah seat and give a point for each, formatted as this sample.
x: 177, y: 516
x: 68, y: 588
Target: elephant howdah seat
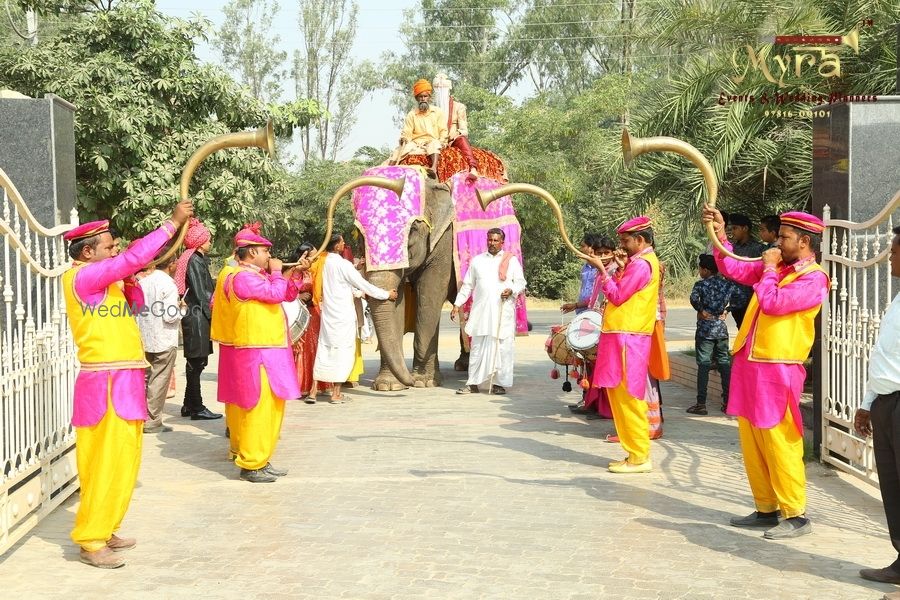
x: 451, y: 161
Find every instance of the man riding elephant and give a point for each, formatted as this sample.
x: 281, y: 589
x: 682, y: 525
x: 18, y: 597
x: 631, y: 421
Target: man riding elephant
x: 456, y: 155
x: 424, y: 129
x: 457, y: 121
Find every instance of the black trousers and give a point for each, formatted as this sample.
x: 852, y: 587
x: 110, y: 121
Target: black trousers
x: 738, y: 314
x: 193, y: 401
x: 885, y: 415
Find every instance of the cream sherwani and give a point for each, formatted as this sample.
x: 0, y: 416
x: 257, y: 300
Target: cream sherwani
x: 336, y: 351
x: 492, y: 321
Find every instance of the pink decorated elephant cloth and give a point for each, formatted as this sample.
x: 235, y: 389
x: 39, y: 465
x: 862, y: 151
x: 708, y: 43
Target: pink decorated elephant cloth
x: 384, y: 219
x: 470, y: 233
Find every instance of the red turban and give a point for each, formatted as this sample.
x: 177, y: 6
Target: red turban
x: 421, y: 86
x: 197, y: 235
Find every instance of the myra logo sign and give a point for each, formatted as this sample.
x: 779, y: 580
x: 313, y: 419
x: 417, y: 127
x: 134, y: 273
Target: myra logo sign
x: 829, y: 63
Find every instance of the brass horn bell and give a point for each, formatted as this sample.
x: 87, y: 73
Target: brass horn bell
x: 263, y: 137
x: 632, y: 147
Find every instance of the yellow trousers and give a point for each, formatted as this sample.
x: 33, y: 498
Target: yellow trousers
x: 773, y: 459
x: 108, y: 456
x: 233, y: 423
x: 259, y: 428
x: 358, y: 366
x: 632, y: 425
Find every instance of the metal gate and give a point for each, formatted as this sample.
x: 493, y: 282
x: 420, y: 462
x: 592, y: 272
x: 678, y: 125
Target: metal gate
x: 855, y: 256
x: 37, y: 370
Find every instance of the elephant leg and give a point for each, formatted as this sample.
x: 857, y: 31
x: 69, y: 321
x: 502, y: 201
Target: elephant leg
x: 387, y: 317
x: 431, y: 287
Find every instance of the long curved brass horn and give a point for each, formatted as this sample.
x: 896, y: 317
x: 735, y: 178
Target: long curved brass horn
x: 394, y: 185
x: 485, y: 197
x: 632, y: 147
x: 262, y: 137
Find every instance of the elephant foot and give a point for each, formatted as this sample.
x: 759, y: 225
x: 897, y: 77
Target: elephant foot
x: 386, y: 382
x: 427, y: 380
x: 462, y: 363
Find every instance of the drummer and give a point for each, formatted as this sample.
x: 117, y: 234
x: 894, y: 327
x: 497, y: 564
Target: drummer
x: 594, y: 401
x: 265, y: 375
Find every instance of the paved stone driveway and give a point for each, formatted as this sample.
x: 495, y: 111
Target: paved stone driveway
x: 425, y: 494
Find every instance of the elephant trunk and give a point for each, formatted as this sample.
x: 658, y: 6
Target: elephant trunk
x: 388, y: 319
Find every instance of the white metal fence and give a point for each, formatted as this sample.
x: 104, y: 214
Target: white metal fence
x: 37, y: 370
x: 855, y: 255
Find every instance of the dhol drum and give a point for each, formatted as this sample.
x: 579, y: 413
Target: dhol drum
x: 583, y: 334
x: 556, y: 346
x: 297, y: 318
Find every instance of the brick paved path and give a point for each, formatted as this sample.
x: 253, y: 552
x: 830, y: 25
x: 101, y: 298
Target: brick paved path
x: 425, y: 494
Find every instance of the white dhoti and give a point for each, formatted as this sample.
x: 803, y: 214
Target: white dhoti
x: 334, y: 363
x: 491, y: 356
x: 336, y: 350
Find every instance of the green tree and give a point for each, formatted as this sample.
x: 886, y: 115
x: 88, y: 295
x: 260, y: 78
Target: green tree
x: 763, y: 162
x: 324, y: 71
x: 249, y: 49
x: 144, y: 105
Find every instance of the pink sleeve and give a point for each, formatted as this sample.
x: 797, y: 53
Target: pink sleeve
x: 270, y: 289
x: 92, y: 279
x: 635, y: 277
x: 807, y: 291
x: 745, y: 273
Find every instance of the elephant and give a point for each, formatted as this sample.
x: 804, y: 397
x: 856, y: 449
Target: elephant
x: 424, y: 239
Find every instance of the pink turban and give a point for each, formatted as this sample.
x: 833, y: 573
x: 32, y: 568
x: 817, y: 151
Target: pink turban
x: 634, y: 225
x: 197, y: 235
x: 804, y: 221
x: 87, y: 230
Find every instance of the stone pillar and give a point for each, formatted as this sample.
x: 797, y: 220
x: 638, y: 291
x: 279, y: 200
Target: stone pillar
x: 37, y: 152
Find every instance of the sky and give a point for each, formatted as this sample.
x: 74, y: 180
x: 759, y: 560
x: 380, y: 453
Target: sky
x: 378, y: 32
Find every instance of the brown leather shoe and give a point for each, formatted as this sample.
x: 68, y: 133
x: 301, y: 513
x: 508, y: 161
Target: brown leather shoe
x: 885, y: 575
x: 104, y: 558
x: 118, y: 544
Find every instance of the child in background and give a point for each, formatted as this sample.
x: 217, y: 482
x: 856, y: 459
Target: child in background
x: 768, y: 230
x: 710, y: 299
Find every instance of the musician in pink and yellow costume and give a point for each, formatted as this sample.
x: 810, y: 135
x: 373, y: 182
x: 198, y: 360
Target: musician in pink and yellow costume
x: 767, y: 373
x: 628, y: 324
x: 260, y: 373
x: 110, y: 404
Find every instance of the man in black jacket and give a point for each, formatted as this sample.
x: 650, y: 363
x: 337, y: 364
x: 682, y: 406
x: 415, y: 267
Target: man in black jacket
x: 192, y: 277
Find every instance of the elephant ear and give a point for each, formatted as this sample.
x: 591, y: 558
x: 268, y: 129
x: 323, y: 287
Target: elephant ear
x: 439, y: 211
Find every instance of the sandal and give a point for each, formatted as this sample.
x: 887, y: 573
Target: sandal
x: 697, y: 409
x: 336, y: 399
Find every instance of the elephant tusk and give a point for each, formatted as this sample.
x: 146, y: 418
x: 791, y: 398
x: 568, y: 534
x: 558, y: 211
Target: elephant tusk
x: 485, y: 197
x: 394, y: 185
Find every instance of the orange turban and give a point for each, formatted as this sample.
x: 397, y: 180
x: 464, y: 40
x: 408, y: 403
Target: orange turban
x: 422, y: 85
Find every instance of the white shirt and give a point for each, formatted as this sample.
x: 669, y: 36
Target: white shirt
x: 160, y: 317
x: 339, y: 280
x: 884, y: 363
x: 482, y: 283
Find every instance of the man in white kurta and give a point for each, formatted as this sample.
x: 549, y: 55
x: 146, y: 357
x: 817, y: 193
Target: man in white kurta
x: 336, y: 350
x: 493, y: 280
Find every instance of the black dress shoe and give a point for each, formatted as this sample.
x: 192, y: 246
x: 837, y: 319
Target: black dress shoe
x: 205, y: 415
x: 185, y: 412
